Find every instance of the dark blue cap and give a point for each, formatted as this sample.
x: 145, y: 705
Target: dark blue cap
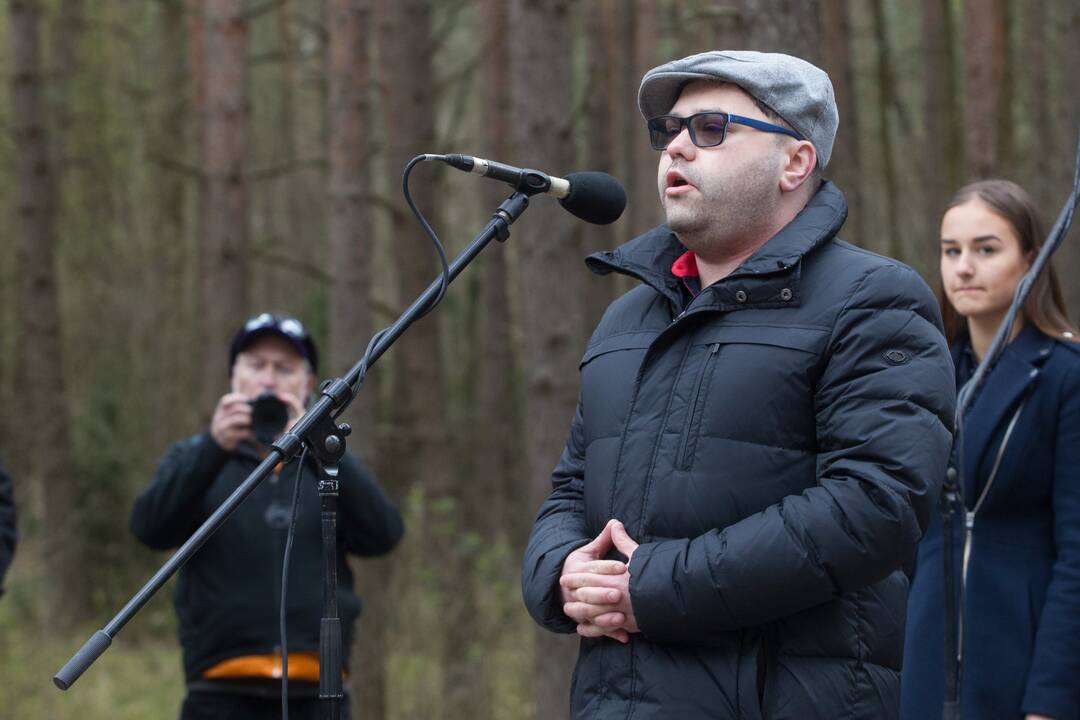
x: 283, y: 326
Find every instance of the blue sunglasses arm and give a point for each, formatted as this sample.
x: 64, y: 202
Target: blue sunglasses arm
x: 760, y: 125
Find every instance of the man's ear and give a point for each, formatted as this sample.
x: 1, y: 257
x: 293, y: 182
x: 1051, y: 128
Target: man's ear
x: 801, y: 161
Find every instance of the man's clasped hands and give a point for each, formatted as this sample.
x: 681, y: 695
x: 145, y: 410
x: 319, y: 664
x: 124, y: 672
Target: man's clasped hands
x: 595, y: 591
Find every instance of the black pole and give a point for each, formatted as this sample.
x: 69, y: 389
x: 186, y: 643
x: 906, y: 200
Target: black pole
x: 315, y: 428
x: 330, y: 651
x: 950, y: 500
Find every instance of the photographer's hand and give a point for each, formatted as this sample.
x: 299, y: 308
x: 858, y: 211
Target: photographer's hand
x: 232, y: 421
x: 295, y: 406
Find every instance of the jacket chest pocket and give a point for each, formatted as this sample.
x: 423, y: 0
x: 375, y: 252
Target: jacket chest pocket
x: 754, y: 386
x: 693, y: 420
x: 609, y: 372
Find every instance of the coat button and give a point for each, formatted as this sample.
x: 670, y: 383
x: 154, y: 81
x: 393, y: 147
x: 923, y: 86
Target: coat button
x: 785, y: 294
x: 740, y: 296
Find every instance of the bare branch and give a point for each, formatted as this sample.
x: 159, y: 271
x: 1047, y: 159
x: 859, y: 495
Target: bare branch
x: 285, y: 168
x: 299, y: 265
x: 176, y: 166
x: 259, y: 10
x: 316, y: 27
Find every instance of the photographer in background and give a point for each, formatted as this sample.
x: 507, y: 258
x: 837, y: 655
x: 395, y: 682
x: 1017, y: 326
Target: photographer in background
x: 7, y: 525
x: 228, y: 596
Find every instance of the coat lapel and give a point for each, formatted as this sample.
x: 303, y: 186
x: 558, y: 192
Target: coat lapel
x: 1015, y: 372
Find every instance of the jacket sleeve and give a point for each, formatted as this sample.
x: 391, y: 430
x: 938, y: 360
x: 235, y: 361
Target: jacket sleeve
x: 883, y: 403
x: 1052, y: 685
x: 170, y: 509
x: 559, y: 529
x: 370, y: 524
x: 7, y: 524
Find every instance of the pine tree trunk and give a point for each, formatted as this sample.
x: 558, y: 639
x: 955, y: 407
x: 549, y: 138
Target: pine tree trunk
x: 784, y: 26
x: 845, y: 165
x: 889, y: 232
x: 420, y: 443
x: 552, y: 284
x: 41, y: 461
x: 943, y: 147
x: 223, y: 196
x: 985, y: 46
x: 349, y: 265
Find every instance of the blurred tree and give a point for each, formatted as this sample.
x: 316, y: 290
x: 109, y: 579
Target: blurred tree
x: 349, y: 266
x: 223, y: 197
x: 170, y: 318
x: 846, y: 161
x: 420, y: 442
x: 640, y: 43
x: 943, y: 146
x: 41, y: 453
x: 784, y: 26
x: 888, y: 227
x: 601, y: 112
x: 552, y: 282
x: 985, y: 46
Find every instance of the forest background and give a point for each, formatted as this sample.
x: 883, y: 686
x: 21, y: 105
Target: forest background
x: 171, y: 166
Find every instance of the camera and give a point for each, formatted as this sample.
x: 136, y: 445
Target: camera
x: 268, y: 417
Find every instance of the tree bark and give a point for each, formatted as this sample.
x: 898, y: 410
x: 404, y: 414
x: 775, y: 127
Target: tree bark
x: 349, y: 265
x: 1069, y: 110
x: 845, y: 165
x: 223, y: 196
x: 552, y: 284
x: 42, y: 461
x: 349, y: 210
x: 643, y: 210
x: 943, y: 156
x: 171, y: 317
x: 787, y: 26
x: 420, y: 442
x: 886, y: 83
x: 601, y: 106
x: 985, y: 47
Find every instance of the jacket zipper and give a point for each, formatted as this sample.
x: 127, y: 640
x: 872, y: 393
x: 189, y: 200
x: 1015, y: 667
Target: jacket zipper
x: 969, y: 523
x: 683, y: 460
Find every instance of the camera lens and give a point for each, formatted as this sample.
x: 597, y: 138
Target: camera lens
x: 268, y: 417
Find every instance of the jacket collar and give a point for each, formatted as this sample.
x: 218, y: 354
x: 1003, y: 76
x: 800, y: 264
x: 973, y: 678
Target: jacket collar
x: 649, y: 257
x: 1018, y: 368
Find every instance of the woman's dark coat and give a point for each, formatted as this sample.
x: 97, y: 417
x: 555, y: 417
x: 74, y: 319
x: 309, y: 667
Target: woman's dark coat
x: 776, y: 447
x: 1021, y: 637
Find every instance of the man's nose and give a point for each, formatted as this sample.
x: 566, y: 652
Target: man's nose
x: 681, y: 146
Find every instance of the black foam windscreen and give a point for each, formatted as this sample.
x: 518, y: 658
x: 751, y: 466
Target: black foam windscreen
x: 594, y: 197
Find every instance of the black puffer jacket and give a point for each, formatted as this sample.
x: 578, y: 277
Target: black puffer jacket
x: 229, y: 593
x: 775, y: 447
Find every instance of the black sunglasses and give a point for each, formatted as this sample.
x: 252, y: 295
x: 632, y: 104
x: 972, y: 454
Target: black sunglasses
x: 707, y: 129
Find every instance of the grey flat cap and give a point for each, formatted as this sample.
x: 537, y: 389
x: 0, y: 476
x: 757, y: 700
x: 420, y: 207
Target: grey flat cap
x: 799, y: 92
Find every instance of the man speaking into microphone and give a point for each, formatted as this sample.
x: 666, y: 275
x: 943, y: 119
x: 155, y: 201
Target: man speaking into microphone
x: 760, y: 427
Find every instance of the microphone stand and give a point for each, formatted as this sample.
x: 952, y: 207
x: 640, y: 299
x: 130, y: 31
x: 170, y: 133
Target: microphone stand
x: 952, y: 499
x: 316, y: 429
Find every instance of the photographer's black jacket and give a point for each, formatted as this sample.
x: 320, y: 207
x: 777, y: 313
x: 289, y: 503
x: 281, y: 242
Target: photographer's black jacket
x: 227, y: 598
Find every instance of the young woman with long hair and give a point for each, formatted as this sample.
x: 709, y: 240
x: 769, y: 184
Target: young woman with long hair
x: 1018, y: 459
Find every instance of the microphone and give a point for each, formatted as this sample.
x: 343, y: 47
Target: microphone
x: 595, y: 197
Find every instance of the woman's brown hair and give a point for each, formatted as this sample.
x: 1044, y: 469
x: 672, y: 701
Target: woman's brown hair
x: 1045, y: 305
